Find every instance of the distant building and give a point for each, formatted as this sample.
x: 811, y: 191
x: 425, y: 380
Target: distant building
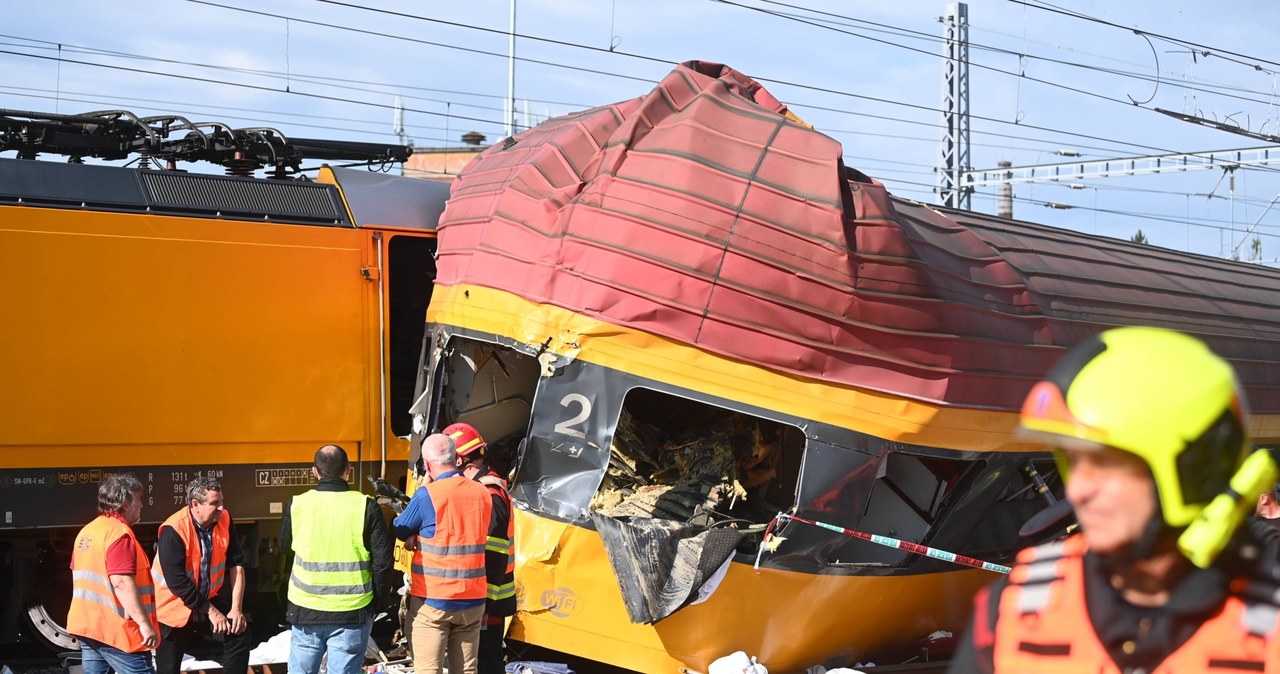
x: 444, y: 163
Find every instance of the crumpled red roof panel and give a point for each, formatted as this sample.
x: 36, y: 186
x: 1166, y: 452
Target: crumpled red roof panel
x: 700, y: 212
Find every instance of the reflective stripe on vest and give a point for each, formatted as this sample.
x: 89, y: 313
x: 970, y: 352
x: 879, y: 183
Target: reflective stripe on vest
x: 500, y: 546
x: 1043, y: 624
x: 172, y: 611
x: 450, y: 565
x: 95, y: 612
x: 500, y: 558
x: 331, y: 567
x: 94, y: 587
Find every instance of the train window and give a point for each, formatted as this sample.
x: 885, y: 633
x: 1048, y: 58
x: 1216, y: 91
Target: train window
x: 1030, y: 486
x: 411, y: 268
x: 1036, y: 480
x: 910, y: 499
x: 907, y: 497
x: 678, y: 459
x: 490, y: 387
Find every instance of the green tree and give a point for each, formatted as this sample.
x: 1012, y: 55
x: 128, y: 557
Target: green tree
x: 1139, y: 238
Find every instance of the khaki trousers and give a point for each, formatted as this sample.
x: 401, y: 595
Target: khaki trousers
x: 437, y: 633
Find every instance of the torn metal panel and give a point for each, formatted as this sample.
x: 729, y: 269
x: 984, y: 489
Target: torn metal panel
x: 567, y: 451
x: 661, y: 565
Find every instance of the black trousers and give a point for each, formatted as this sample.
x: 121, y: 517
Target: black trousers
x: 490, y: 658
x: 174, y: 642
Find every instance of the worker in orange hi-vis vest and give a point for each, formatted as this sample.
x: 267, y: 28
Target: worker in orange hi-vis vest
x: 449, y: 521
x: 1151, y: 433
x: 199, y: 576
x: 113, y: 609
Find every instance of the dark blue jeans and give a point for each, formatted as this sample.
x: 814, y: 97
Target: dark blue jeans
x: 99, y: 658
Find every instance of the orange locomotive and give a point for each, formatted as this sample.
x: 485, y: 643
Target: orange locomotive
x: 175, y: 324
x: 681, y: 315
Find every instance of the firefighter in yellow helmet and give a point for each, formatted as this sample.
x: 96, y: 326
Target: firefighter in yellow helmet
x: 1149, y: 430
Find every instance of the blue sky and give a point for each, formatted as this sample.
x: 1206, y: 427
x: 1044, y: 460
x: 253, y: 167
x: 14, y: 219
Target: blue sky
x: 868, y: 74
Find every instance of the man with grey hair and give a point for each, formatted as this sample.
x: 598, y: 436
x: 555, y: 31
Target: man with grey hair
x: 113, y: 609
x: 199, y: 577
x: 449, y: 520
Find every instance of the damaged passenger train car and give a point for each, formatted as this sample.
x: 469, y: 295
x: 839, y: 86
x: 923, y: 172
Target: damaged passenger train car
x: 678, y: 316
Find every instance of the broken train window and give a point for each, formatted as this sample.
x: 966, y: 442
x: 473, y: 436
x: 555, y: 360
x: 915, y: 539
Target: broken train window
x: 906, y: 499
x: 490, y: 387
x: 682, y: 460
x: 1031, y: 485
x: 972, y: 507
x: 686, y: 486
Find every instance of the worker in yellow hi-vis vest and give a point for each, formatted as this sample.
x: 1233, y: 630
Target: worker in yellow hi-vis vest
x: 341, y: 557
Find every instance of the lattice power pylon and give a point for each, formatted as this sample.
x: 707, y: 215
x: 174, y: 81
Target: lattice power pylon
x: 955, y: 109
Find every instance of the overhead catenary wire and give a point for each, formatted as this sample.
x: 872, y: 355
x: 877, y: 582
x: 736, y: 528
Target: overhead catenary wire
x: 972, y: 64
x: 1206, y: 50
x: 1034, y: 140
x: 561, y: 42
x: 1131, y: 101
x: 567, y: 43
x: 189, y: 110
x: 896, y: 31
x: 206, y: 80
x: 1222, y: 226
x: 653, y: 59
x: 1206, y: 87
x: 345, y: 82
x: 483, y: 52
x: 852, y: 113
x: 1147, y: 190
x: 481, y: 120
x: 301, y: 77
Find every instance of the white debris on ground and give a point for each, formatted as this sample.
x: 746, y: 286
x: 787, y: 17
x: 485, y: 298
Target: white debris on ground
x: 536, y: 667
x: 271, y: 651
x: 396, y: 667
x: 190, y: 664
x: 737, y: 663
x: 276, y: 650
x: 740, y: 663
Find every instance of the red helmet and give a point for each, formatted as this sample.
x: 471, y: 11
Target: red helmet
x: 465, y: 438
